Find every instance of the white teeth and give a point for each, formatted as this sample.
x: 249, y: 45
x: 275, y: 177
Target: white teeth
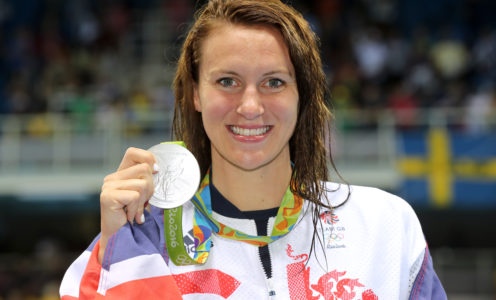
x: 249, y: 132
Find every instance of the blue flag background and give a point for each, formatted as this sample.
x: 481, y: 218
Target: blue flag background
x: 444, y: 169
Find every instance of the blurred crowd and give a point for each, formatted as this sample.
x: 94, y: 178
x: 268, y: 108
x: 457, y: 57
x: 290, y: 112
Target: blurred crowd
x: 90, y: 57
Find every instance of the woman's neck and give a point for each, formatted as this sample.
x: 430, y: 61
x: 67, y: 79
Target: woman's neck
x: 249, y: 190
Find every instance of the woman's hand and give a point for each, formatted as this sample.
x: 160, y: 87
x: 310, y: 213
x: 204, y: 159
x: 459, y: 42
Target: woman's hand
x: 124, y: 194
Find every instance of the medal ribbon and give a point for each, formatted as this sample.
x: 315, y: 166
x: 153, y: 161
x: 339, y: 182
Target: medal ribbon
x: 204, y: 225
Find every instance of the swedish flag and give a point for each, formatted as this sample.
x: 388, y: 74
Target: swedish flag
x: 448, y: 169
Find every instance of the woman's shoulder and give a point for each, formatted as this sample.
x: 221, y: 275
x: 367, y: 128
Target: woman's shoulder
x: 376, y: 212
x: 365, y: 198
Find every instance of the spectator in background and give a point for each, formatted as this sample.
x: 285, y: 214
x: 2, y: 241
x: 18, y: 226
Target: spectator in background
x: 371, y: 52
x: 484, y: 56
x: 449, y: 56
x: 403, y: 104
x: 479, y: 108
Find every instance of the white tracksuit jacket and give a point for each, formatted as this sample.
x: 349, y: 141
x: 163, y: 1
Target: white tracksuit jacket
x: 372, y: 247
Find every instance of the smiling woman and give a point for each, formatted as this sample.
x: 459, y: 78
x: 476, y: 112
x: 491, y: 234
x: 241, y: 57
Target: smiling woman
x: 251, y: 106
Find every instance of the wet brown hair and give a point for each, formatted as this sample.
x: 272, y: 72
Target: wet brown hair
x: 307, y: 145
x: 310, y: 143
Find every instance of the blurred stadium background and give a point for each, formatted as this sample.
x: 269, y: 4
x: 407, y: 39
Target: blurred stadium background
x: 414, y: 93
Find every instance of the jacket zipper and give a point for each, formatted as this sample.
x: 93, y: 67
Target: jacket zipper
x: 264, y: 255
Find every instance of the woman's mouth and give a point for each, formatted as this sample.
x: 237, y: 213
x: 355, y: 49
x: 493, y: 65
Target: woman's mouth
x: 249, y: 131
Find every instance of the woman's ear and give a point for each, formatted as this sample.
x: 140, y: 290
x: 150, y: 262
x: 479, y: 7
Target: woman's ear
x: 196, y: 97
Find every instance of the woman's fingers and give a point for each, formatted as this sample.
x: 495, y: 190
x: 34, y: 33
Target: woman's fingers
x: 143, y: 186
x: 142, y: 170
x: 116, y: 206
x: 126, y: 179
x: 135, y: 156
x: 138, y: 178
x: 135, y: 206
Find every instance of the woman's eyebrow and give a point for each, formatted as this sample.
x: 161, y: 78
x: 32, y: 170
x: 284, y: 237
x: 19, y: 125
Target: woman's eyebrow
x: 278, y: 71
x: 223, y: 72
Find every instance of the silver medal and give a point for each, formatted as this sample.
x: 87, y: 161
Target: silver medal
x: 178, y: 177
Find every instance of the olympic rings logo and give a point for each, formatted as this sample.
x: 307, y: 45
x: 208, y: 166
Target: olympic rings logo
x: 335, y: 237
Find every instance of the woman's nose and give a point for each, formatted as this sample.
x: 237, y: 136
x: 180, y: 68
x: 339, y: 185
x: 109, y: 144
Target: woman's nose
x: 251, y: 105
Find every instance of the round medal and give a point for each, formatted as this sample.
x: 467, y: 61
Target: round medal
x: 178, y: 177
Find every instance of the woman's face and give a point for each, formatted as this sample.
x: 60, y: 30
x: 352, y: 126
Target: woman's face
x: 247, y: 95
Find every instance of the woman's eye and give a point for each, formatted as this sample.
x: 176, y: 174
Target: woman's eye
x: 274, y: 83
x: 227, y: 82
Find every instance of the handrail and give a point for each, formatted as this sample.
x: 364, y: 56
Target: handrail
x: 63, y: 145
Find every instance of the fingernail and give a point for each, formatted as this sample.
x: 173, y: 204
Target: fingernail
x: 143, y: 218
x: 155, y: 167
